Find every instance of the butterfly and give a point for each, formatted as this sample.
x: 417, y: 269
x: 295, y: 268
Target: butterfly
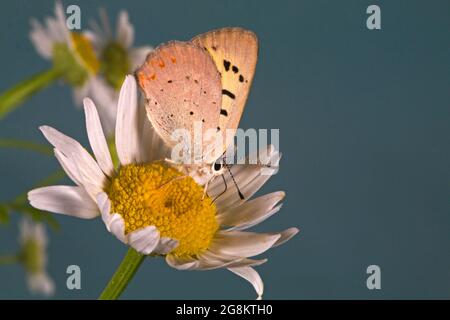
x: 201, y: 83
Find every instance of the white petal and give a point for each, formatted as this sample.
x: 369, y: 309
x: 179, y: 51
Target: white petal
x: 286, y: 235
x: 40, y: 39
x: 242, y: 169
x: 39, y: 235
x: 32, y: 230
x: 79, y: 93
x: 144, y: 240
x: 41, y: 283
x: 68, y: 166
x: 252, y: 212
x: 152, y: 147
x: 25, y: 228
x: 251, y: 276
x: 138, y: 56
x: 97, y: 138
x: 127, y: 123
x: 89, y: 170
x: 116, y: 226
x: 124, y: 30
x: 105, y: 22
x: 106, y: 99
x: 242, y: 244
x: 113, y: 221
x: 231, y: 261
x: 61, y: 22
x: 249, y: 177
x: 68, y: 200
x: 166, y: 245
x: 247, y: 263
x: 209, y: 260
x: 53, y: 30
x: 181, y: 263
x: 105, y: 208
x: 98, y: 35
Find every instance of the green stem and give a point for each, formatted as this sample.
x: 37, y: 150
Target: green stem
x: 14, y: 96
x: 11, y: 259
x: 123, y: 275
x: 26, y: 145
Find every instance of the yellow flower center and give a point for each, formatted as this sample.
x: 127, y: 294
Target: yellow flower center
x: 83, y: 47
x: 156, y: 194
x: 115, y: 64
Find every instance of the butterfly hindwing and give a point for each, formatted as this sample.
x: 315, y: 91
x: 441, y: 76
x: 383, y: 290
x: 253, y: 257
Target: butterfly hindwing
x: 235, y: 53
x: 182, y: 86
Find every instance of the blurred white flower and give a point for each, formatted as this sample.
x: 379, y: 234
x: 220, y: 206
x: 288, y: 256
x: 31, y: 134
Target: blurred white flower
x: 93, y: 62
x: 118, y: 58
x: 72, y: 54
x: 33, y: 256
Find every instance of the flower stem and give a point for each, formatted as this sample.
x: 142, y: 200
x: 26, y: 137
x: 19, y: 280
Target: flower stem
x: 13, y: 97
x: 123, y: 275
x: 26, y: 145
x: 11, y: 259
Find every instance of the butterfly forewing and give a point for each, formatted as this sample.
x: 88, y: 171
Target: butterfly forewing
x: 182, y: 86
x: 235, y: 52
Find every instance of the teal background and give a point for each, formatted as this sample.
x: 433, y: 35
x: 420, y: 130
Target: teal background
x: 364, y: 129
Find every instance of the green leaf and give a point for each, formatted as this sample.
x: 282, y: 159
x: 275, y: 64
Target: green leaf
x: 36, y: 215
x: 4, y: 214
x: 13, y: 97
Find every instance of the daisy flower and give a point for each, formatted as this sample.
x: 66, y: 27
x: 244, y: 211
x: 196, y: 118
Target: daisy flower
x: 93, y: 62
x: 118, y: 58
x: 33, y: 257
x: 148, y: 204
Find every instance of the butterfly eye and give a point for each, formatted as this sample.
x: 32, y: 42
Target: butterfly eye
x: 217, y: 166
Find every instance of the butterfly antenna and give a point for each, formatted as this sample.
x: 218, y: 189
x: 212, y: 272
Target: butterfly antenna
x: 234, y: 181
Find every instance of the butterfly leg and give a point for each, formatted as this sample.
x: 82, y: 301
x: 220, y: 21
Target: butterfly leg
x: 206, y: 186
x: 171, y: 162
x: 172, y: 180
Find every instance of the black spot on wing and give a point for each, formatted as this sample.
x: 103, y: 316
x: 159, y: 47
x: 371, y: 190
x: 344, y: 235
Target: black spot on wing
x: 223, y: 112
x: 235, y: 69
x: 228, y: 93
x: 241, y: 78
x: 226, y: 65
